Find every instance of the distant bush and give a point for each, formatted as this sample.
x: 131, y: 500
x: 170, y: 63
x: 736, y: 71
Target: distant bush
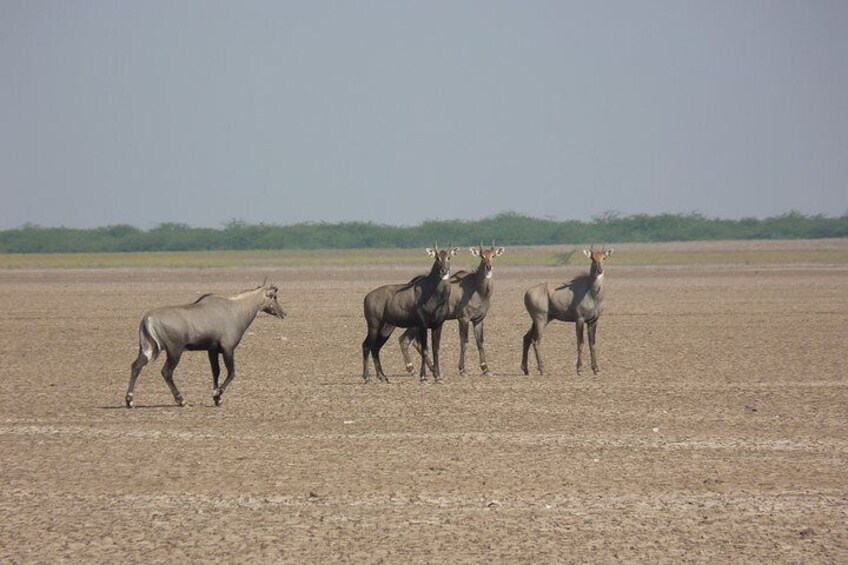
x: 507, y: 228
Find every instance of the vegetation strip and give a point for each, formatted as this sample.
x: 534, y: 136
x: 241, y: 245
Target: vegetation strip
x: 508, y: 229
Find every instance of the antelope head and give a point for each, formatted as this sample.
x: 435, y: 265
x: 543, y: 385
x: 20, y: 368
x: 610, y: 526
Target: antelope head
x: 270, y: 305
x: 443, y: 258
x: 486, y: 256
x: 597, y: 258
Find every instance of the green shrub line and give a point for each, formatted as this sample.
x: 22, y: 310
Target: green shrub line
x: 507, y: 228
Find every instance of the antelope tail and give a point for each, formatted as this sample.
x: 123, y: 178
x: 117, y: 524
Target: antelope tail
x: 147, y: 340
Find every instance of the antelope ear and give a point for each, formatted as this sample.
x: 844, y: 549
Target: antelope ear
x: 431, y: 252
x: 474, y: 251
x: 608, y: 252
x: 499, y: 252
x: 587, y: 253
x: 454, y: 251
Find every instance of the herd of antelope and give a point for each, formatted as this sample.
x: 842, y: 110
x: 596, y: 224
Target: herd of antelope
x: 216, y: 324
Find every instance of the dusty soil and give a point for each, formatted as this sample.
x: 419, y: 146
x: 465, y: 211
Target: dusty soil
x: 716, y: 432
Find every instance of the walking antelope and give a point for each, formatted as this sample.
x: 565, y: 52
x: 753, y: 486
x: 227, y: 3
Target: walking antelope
x: 212, y: 323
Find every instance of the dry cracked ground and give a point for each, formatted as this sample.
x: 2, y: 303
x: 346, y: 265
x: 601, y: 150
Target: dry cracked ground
x: 717, y: 430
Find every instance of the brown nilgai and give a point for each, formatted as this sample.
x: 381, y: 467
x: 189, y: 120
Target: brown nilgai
x: 212, y: 323
x: 470, y: 298
x: 421, y: 304
x: 579, y: 301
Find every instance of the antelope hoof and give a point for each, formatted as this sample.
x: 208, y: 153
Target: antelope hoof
x: 410, y: 368
x: 130, y: 402
x: 180, y: 401
x: 485, y: 369
x: 217, y: 400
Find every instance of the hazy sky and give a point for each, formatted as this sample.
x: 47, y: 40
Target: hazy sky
x: 201, y: 112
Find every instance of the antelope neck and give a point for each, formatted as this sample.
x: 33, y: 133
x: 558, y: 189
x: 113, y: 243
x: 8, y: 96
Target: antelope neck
x: 483, y: 273
x: 248, y: 303
x: 597, y: 280
x: 435, y: 272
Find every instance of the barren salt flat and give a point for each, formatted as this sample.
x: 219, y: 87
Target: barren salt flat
x: 717, y: 430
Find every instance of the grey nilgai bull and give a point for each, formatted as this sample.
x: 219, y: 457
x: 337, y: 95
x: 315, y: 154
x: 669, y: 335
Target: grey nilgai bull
x: 212, y: 323
x: 580, y: 301
x: 422, y: 304
x: 470, y: 298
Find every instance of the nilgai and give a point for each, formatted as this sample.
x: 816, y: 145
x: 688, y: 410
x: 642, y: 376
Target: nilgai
x: 580, y: 301
x: 421, y: 304
x: 470, y: 297
x: 212, y: 323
